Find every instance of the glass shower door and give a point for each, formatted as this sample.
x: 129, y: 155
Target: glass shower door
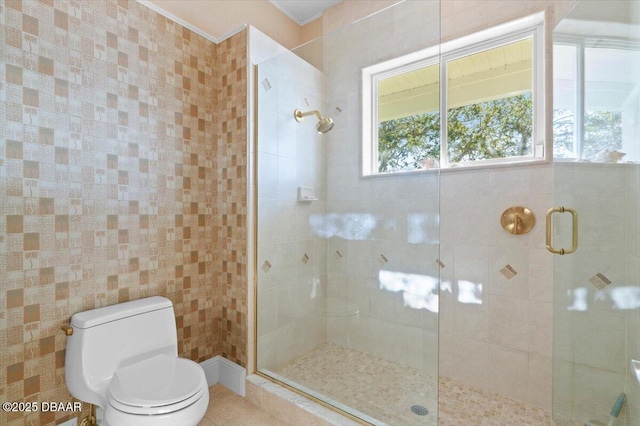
x: 596, y: 171
x: 346, y: 302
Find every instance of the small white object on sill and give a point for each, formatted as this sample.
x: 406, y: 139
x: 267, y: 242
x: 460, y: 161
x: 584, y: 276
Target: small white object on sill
x: 609, y: 156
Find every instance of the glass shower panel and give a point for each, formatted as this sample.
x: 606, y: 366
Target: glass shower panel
x: 597, y: 289
x: 347, y: 272
x: 291, y: 253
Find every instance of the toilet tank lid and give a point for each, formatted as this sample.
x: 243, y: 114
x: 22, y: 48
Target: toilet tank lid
x: 94, y: 317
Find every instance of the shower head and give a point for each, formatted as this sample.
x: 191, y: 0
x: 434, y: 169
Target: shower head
x: 324, y: 123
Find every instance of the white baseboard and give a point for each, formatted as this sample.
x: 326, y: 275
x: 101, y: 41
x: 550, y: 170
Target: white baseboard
x: 220, y: 370
x: 211, y: 369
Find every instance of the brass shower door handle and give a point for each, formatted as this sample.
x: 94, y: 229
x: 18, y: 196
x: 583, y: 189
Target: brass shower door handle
x: 574, y: 220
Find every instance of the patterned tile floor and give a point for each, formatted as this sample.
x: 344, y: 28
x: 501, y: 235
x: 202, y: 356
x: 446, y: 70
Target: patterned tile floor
x: 386, y: 391
x: 227, y: 408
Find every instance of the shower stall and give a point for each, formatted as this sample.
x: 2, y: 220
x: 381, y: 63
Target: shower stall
x: 398, y: 298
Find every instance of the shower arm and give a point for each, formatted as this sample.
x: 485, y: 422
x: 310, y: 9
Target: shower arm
x: 299, y: 115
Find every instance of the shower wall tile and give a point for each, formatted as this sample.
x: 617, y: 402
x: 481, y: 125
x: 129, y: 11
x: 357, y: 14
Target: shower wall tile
x: 471, y: 267
x: 540, y: 275
x: 509, y: 372
x: 114, y: 122
x: 471, y: 320
x: 460, y: 17
x: 448, y: 302
x: 471, y: 218
x: 600, y: 340
x: 589, y: 386
x: 471, y: 362
x: 344, y: 14
x: 268, y: 126
x: 430, y: 342
x: 509, y: 322
x: 540, y: 328
x: 466, y: 184
x: 540, y: 380
x: 562, y: 383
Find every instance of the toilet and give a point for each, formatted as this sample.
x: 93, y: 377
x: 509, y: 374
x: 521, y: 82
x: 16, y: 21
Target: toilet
x: 124, y: 359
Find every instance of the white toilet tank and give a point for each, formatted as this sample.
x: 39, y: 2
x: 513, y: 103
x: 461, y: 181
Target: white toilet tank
x: 106, y: 339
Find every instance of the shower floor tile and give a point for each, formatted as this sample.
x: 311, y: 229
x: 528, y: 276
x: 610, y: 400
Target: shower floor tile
x: 386, y: 391
x: 467, y: 405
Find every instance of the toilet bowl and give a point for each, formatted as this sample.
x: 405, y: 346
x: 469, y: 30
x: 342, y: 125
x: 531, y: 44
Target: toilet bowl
x: 159, y: 391
x: 123, y: 358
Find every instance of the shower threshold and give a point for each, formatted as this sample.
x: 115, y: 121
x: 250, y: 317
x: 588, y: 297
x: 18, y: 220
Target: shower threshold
x: 323, y: 398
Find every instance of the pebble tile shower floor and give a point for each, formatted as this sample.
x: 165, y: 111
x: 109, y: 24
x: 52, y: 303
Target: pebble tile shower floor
x: 386, y: 391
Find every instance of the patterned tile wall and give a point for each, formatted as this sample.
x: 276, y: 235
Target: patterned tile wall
x: 231, y: 203
x: 110, y: 183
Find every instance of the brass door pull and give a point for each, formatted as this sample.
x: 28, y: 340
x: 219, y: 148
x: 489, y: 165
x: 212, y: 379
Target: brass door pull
x: 574, y: 219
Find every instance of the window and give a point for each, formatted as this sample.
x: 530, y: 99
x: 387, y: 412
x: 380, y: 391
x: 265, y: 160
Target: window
x: 595, y: 98
x: 487, y: 109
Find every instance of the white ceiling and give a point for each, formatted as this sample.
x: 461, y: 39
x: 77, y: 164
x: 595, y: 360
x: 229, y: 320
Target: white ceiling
x: 489, y: 74
x: 304, y: 11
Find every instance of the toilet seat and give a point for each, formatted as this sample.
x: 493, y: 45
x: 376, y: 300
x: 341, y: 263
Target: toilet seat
x: 158, y: 385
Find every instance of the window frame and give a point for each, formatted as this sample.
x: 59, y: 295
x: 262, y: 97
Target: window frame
x: 578, y: 101
x: 530, y: 26
x: 581, y: 44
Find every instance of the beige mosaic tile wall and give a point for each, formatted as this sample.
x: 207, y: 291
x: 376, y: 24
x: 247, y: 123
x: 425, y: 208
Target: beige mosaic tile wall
x: 110, y: 182
x: 231, y: 202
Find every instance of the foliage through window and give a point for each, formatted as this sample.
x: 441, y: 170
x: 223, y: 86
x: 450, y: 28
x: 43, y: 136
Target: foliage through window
x: 408, y: 143
x: 483, y: 111
x: 493, y: 129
